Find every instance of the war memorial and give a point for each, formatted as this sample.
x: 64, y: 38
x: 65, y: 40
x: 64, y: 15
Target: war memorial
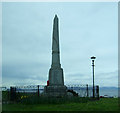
x: 57, y: 95
x: 55, y: 86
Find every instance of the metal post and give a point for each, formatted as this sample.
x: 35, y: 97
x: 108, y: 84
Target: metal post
x: 97, y: 91
x: 93, y: 58
x: 93, y: 79
x: 12, y: 93
x: 38, y: 90
x: 87, y: 90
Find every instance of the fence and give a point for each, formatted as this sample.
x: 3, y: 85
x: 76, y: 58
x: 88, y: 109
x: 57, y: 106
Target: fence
x: 19, y: 92
x: 84, y: 90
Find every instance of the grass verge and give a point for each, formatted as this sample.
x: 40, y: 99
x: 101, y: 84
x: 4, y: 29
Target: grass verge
x: 104, y: 104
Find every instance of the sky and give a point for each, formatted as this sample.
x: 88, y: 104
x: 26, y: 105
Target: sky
x: 85, y: 29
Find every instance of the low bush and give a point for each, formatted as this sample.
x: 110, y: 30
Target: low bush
x: 53, y: 100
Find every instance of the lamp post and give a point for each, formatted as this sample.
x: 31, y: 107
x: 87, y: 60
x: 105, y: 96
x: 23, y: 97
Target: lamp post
x: 93, y: 58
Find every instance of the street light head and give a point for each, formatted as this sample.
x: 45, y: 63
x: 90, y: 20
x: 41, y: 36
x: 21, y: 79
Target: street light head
x: 93, y: 57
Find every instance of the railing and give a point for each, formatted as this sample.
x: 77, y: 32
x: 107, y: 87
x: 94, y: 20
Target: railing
x: 36, y: 90
x: 84, y: 90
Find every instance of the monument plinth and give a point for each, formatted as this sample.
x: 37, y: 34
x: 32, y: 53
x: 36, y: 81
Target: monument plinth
x: 56, y: 85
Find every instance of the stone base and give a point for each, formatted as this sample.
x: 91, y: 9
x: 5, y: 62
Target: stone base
x: 56, y: 77
x: 55, y: 91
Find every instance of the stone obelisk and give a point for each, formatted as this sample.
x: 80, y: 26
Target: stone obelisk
x: 56, y: 85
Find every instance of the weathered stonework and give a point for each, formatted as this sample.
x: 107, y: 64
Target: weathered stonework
x: 56, y: 78
x: 55, y: 91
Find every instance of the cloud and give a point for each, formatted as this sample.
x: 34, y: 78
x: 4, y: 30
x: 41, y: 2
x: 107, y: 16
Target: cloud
x: 24, y: 74
x: 102, y: 79
x: 27, y: 41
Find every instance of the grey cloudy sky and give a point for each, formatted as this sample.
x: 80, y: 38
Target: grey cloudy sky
x: 86, y: 29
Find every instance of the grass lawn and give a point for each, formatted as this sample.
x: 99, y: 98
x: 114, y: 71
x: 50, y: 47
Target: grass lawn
x: 104, y: 104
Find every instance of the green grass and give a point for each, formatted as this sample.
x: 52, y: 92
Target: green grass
x: 104, y: 104
x: 53, y: 100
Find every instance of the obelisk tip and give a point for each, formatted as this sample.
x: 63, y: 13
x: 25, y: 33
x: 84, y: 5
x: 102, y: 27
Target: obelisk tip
x: 56, y: 16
